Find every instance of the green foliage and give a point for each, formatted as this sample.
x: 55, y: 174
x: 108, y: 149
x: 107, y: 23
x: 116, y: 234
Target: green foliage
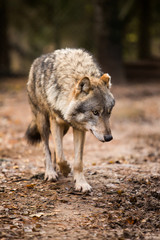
x: 45, y: 23
x: 40, y: 26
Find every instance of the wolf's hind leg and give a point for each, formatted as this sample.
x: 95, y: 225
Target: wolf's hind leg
x: 80, y: 181
x: 44, y: 128
x: 58, y: 132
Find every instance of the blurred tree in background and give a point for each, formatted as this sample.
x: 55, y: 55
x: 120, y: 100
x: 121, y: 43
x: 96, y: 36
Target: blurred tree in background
x: 4, y: 39
x: 122, y: 34
x: 108, y: 37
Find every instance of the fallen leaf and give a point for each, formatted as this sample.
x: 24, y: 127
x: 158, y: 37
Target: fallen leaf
x: 30, y: 186
x: 131, y: 220
x: 38, y: 215
x: 120, y: 191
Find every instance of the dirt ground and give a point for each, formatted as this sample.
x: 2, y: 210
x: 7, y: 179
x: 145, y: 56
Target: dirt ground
x: 124, y: 174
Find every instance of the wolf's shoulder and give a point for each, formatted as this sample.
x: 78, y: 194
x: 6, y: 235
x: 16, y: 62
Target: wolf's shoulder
x: 68, y: 55
x: 78, y: 62
x: 65, y: 54
x: 68, y: 62
x: 76, y: 54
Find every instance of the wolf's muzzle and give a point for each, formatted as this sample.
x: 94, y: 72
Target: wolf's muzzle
x: 108, y: 138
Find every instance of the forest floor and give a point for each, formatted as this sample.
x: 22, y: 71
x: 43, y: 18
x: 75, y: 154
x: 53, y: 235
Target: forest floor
x: 124, y: 174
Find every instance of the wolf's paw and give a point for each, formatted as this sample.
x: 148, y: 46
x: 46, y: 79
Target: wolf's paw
x: 81, y: 183
x: 51, y: 175
x: 83, y: 187
x: 64, y: 168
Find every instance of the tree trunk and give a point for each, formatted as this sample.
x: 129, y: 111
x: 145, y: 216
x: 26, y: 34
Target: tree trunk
x: 4, y: 52
x: 108, y: 30
x: 144, y: 37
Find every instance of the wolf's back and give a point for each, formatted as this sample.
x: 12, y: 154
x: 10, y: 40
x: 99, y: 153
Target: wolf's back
x: 53, y: 76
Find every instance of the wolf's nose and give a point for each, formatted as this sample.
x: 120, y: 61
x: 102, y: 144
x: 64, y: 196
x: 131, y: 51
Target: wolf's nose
x: 108, y: 138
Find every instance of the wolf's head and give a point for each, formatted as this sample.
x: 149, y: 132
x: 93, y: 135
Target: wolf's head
x: 91, y: 105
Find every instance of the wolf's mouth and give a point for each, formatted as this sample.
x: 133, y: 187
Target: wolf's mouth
x: 100, y: 139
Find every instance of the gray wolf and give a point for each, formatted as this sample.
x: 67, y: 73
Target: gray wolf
x: 66, y: 88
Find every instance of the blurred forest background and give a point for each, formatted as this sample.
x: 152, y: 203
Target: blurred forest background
x: 124, y: 35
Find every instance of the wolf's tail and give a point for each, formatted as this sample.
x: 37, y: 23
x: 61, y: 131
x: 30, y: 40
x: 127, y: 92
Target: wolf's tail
x: 32, y: 134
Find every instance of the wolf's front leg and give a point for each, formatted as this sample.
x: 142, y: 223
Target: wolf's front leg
x: 50, y: 173
x: 57, y: 134
x: 80, y: 181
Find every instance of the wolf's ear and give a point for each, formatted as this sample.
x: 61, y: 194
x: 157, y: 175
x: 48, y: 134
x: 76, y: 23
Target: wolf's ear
x: 106, y: 79
x: 83, y: 85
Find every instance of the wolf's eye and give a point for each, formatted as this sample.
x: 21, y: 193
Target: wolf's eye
x: 96, y: 113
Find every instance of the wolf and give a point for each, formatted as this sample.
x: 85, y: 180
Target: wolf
x: 66, y: 88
